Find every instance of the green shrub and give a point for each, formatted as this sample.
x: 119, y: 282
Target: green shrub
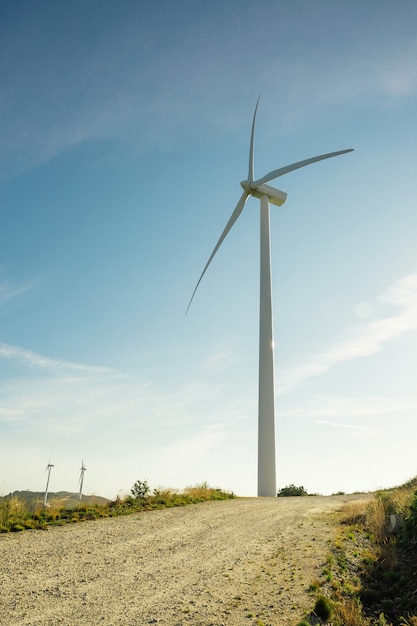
x: 140, y: 489
x: 291, y: 490
x: 15, y: 528
x: 323, y: 608
x: 30, y: 523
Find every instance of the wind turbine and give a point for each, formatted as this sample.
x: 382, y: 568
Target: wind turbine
x: 47, y: 469
x: 81, y: 481
x: 266, y: 408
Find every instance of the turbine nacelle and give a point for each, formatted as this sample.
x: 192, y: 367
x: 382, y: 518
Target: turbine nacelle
x: 275, y: 196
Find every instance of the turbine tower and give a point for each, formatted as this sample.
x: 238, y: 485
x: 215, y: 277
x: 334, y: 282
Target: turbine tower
x: 81, y: 481
x: 266, y: 405
x: 48, y: 469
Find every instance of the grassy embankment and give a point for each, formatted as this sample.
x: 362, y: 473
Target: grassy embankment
x: 17, y: 514
x: 370, y: 576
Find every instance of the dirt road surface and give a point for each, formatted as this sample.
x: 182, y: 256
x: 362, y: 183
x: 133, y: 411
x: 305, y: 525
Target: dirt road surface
x: 237, y: 562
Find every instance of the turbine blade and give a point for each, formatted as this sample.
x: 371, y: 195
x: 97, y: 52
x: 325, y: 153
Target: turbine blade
x: 252, y: 138
x: 238, y: 210
x: 295, y: 166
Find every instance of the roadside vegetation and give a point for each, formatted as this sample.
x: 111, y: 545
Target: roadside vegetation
x: 370, y: 578
x: 292, y: 490
x: 17, y: 514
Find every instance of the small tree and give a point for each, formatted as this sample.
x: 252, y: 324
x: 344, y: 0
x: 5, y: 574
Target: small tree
x: 140, y: 489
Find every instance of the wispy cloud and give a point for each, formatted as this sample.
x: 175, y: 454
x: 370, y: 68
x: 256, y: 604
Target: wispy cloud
x: 399, y: 76
x: 60, y: 396
x: 353, y: 427
x: 338, y: 406
x: 140, y: 80
x: 361, y: 414
x: 365, y: 340
x: 34, y: 359
x: 10, y: 289
x: 220, y: 358
x: 190, y: 450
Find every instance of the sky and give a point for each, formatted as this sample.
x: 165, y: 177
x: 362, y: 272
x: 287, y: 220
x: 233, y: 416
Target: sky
x: 124, y: 134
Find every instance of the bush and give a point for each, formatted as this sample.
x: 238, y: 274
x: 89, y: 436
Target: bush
x: 16, y: 528
x: 291, y: 490
x: 140, y: 490
x: 323, y: 608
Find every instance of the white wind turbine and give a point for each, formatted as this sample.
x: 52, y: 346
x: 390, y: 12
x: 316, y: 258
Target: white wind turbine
x: 266, y: 409
x: 81, y: 481
x: 48, y: 469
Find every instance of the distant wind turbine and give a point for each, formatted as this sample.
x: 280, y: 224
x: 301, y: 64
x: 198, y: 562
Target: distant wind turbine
x: 48, y: 469
x: 81, y: 481
x: 266, y: 409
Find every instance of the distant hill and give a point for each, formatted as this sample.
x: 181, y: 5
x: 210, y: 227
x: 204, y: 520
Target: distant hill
x: 64, y: 499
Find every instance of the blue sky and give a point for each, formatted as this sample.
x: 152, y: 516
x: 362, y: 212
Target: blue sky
x: 124, y: 134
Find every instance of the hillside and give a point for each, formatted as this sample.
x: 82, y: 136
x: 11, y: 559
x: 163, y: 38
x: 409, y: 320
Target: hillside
x: 66, y: 499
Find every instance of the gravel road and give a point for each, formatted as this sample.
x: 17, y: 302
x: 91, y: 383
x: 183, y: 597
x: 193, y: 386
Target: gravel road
x: 232, y: 563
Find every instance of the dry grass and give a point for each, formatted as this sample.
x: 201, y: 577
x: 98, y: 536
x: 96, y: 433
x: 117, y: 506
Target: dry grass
x: 397, y: 500
x: 409, y: 621
x: 11, y: 510
x: 376, y: 520
x: 349, y: 613
x: 386, y: 555
x: 353, y: 512
x: 202, y: 492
